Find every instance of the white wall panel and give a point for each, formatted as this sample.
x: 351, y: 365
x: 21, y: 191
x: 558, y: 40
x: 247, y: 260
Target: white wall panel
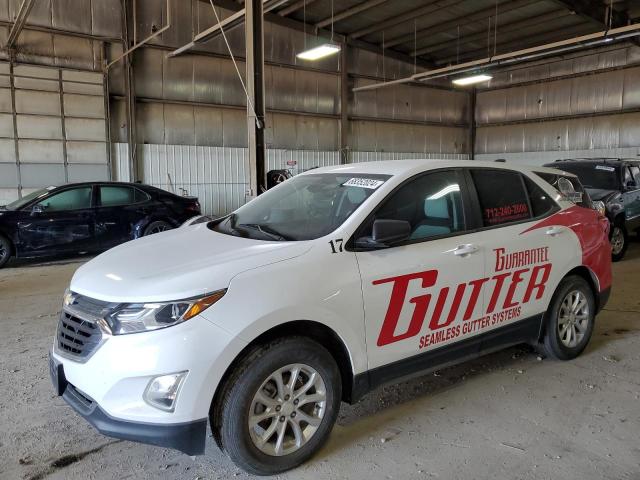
x: 52, y: 138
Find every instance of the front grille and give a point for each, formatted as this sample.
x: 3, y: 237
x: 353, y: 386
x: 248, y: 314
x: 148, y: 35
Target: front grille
x: 77, y: 337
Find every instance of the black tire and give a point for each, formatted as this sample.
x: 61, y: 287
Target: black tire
x: 5, y: 251
x: 156, y: 227
x: 230, y: 418
x: 618, y: 234
x: 553, y: 345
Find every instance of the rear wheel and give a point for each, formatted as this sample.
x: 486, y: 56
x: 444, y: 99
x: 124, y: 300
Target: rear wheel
x: 619, y: 241
x: 570, y: 319
x: 5, y: 251
x: 156, y: 227
x: 279, y: 406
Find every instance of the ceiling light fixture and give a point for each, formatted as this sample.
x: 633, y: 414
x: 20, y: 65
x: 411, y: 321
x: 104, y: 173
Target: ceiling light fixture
x: 321, y: 51
x: 472, y: 80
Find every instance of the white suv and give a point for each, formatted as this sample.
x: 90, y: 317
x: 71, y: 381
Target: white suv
x: 318, y: 291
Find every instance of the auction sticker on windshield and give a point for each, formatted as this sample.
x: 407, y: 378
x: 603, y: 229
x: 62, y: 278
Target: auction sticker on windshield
x: 608, y: 169
x: 363, y: 182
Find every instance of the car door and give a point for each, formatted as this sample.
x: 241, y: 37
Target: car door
x: 62, y: 222
x: 120, y: 208
x: 631, y: 196
x: 419, y: 294
x: 529, y: 249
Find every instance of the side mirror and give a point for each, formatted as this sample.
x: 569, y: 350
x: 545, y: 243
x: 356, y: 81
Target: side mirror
x: 631, y: 185
x: 36, y: 209
x: 384, y: 233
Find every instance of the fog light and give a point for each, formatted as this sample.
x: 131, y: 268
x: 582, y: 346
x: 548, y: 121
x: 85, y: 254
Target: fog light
x: 162, y: 392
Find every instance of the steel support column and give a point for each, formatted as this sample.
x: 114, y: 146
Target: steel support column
x: 344, y: 104
x: 254, y: 34
x: 473, y: 95
x: 130, y: 93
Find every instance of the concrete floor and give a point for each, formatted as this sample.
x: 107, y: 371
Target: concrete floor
x: 505, y: 416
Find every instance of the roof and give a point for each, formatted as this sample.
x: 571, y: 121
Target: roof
x: 443, y: 32
x: 408, y: 167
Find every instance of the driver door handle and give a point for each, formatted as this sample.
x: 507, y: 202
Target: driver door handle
x: 553, y: 231
x: 465, y: 250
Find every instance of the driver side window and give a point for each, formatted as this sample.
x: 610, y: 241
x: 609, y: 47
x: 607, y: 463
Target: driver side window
x: 432, y: 204
x: 73, y: 199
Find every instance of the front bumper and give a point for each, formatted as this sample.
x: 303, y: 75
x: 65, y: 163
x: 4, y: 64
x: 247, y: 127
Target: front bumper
x: 188, y: 437
x: 107, y: 388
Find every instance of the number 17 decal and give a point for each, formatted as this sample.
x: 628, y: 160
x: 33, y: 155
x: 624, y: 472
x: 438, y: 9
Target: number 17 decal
x: 336, y: 245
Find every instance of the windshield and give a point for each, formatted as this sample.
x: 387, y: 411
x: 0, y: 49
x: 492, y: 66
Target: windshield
x: 302, y: 208
x: 604, y: 177
x: 18, y: 204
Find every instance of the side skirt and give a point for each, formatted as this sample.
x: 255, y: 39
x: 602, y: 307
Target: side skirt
x: 522, y: 331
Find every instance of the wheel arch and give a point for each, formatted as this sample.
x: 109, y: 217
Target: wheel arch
x: 587, y: 274
x: 12, y: 243
x: 313, y: 330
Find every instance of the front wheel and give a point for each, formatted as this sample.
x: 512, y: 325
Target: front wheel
x: 619, y: 242
x: 279, y: 406
x: 570, y: 319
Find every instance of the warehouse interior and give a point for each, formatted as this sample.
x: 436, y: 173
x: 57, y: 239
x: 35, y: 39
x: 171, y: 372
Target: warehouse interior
x: 180, y: 122
x: 203, y: 97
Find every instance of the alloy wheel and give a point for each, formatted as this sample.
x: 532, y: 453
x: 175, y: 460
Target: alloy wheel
x: 617, y: 240
x: 287, y: 409
x: 158, y: 229
x: 573, y: 319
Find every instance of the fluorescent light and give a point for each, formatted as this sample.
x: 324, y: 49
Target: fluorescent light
x: 454, y: 187
x: 471, y: 80
x: 319, y: 52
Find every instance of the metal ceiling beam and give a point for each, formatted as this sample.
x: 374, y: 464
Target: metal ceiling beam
x: 482, y: 36
x: 431, y: 30
x: 598, y: 13
x: 548, y: 36
x: 590, y: 40
x: 349, y: 12
x: 405, y: 17
x: 294, y: 7
x: 595, y: 11
x: 232, y: 21
x: 294, y: 24
x: 20, y: 22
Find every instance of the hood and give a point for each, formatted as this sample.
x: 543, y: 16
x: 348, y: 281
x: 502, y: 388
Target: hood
x: 175, y: 265
x: 599, y: 194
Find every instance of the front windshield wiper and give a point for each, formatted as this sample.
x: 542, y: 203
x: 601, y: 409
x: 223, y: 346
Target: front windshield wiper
x: 266, y: 230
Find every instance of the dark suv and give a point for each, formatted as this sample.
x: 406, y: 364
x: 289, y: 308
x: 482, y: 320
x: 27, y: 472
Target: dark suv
x: 616, y: 183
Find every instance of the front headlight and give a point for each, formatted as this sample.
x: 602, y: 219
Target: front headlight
x: 142, y: 317
x: 600, y: 207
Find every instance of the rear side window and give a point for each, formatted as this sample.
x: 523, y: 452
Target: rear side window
x: 541, y: 203
x: 113, y: 196
x: 502, y: 196
x: 141, y: 196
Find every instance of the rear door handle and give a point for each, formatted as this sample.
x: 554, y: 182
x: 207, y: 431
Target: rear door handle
x: 553, y: 231
x: 465, y: 250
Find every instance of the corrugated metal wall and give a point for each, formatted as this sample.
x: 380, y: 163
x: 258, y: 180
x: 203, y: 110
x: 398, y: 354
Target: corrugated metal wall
x: 53, y: 128
x: 585, y: 103
x: 219, y: 176
x: 191, y: 110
